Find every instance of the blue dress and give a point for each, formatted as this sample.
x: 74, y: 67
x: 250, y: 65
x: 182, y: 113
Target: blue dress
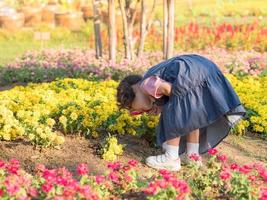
x: 201, y: 98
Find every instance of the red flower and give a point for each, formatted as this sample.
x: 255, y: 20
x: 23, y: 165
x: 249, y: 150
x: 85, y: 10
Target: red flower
x: 133, y: 163
x: 47, y: 187
x: 1, y: 192
x: 12, y: 169
x: 212, y: 151
x: 2, y: 164
x: 225, y: 175
x: 126, y: 168
x: 234, y: 166
x: 82, y: 169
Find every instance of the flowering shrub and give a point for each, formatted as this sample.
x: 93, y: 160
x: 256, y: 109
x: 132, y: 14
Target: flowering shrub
x: 111, y: 149
x: 71, y: 106
x: 252, y: 92
x: 39, y: 112
x: 219, y: 179
x: 50, y: 64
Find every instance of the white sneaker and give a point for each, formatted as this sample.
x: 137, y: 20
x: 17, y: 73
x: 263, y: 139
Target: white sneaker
x: 194, y: 159
x: 163, y: 162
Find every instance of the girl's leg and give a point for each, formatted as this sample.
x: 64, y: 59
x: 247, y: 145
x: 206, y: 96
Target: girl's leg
x: 170, y: 159
x: 192, y: 145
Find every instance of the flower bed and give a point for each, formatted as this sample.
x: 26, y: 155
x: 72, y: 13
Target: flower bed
x: 218, y: 179
x: 76, y: 106
x: 50, y: 64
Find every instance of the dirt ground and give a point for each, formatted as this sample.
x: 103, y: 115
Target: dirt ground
x: 242, y: 150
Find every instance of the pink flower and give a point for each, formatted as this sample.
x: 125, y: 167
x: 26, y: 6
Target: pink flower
x: 14, y: 162
x: 221, y: 158
x: 12, y: 169
x: 252, y: 178
x: 82, y: 169
x: 128, y: 178
x: 133, y: 163
x: 245, y: 169
x: 113, y: 177
x: 114, y: 165
x: 263, y: 174
x: 47, y: 187
x: 263, y: 193
x: 12, y: 189
x: 33, y: 192
x: 225, y: 175
x: 61, y: 181
x: 181, y: 185
x: 40, y: 168
x: 194, y: 157
x: 212, y: 151
x: 69, y: 193
x: 162, y: 184
x: 49, y: 175
x: 150, y: 190
x: 234, y: 166
x: 164, y: 172
x: 99, y: 179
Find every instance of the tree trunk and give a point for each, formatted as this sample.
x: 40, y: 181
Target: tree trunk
x: 165, y: 27
x: 112, y: 29
x: 170, y: 37
x: 145, y: 25
x: 126, y: 36
x: 142, y: 29
x: 98, y: 42
x: 131, y: 21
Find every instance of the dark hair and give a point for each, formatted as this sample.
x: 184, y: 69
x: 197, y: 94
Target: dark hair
x: 125, y: 92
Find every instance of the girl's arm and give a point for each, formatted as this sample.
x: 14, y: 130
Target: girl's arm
x: 165, y: 88
x: 156, y: 87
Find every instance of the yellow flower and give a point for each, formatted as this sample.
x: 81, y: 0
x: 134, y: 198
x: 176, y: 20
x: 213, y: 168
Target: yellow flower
x: 59, y: 140
x: 73, y: 116
x: 50, y: 122
x: 63, y: 120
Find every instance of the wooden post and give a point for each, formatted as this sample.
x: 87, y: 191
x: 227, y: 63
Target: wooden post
x: 170, y: 37
x: 142, y: 28
x: 126, y: 35
x: 97, y: 21
x: 112, y: 29
x: 165, y: 27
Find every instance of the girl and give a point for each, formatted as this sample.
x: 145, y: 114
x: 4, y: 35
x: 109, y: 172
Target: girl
x: 198, y: 106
